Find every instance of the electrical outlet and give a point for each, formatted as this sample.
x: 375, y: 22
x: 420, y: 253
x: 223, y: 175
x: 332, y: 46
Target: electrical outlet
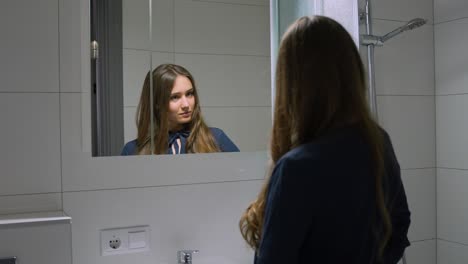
x: 115, y: 243
x: 124, y: 240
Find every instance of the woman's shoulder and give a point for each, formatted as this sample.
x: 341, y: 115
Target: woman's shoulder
x: 216, y: 131
x: 129, y: 148
x: 339, y: 144
x: 223, y: 141
x: 303, y: 154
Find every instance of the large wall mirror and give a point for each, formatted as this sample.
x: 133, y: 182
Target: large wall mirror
x: 224, y: 45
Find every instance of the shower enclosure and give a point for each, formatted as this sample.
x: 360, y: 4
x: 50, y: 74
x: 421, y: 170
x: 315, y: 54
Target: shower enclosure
x: 371, y: 41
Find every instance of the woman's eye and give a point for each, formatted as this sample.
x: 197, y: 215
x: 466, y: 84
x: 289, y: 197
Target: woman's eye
x: 190, y: 94
x: 174, y: 97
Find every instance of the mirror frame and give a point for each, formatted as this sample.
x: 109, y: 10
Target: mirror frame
x: 82, y: 172
x: 86, y: 120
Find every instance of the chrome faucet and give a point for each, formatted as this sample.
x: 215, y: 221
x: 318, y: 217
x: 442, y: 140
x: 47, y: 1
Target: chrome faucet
x: 185, y: 256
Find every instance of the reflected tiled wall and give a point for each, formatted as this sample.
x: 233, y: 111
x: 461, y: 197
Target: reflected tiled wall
x: 451, y: 57
x: 224, y: 44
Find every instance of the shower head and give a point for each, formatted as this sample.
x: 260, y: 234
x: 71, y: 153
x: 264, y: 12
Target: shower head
x: 415, y: 23
x: 412, y: 24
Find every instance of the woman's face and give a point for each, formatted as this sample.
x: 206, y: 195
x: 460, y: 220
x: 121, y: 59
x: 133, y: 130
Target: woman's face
x: 181, y: 103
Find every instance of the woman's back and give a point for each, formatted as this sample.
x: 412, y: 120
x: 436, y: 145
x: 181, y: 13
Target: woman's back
x: 321, y: 204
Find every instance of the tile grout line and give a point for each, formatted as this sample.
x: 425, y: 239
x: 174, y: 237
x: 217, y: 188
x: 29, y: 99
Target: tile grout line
x: 453, y: 242
x: 28, y: 194
x: 450, y: 20
x: 166, y: 185
x: 227, y: 3
x: 448, y: 168
x: 136, y: 187
x: 435, y: 125
x: 200, y: 53
x: 28, y: 92
x: 60, y: 104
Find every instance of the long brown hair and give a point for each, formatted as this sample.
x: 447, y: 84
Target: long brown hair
x: 200, y: 139
x: 320, y: 86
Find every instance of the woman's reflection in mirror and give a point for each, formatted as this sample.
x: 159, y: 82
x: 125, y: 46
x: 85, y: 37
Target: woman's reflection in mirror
x: 178, y: 124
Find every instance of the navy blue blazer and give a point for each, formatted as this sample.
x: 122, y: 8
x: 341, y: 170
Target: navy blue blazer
x: 222, y: 140
x: 321, y: 204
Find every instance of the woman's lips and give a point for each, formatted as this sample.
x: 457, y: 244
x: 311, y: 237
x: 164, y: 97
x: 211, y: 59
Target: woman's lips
x: 186, y: 114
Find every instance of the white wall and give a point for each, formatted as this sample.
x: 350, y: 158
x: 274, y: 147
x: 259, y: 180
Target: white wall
x: 405, y: 98
x: 37, y: 243
x: 451, y: 57
x: 43, y: 237
x: 44, y: 159
x: 224, y: 44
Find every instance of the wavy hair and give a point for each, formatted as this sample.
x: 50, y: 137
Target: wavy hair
x: 320, y: 86
x: 200, y: 139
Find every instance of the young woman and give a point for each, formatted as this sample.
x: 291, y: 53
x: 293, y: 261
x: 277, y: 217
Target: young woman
x: 178, y: 125
x: 335, y: 193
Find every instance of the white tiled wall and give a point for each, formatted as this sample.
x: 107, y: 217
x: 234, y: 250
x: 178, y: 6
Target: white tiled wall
x: 423, y: 252
x: 135, y: 68
x: 244, y: 2
x: 452, y: 215
x: 203, y: 217
x: 163, y: 29
x: 451, y: 253
x: 30, y: 135
x: 235, y: 120
x: 410, y: 122
x: 405, y: 64
x: 12, y: 204
x: 451, y: 49
x: 51, y: 134
x: 209, y: 27
x: 30, y: 177
x: 452, y: 128
x: 452, y: 209
x: 404, y: 72
x: 451, y: 57
x: 402, y: 10
x: 223, y: 85
x: 42, y: 243
x: 135, y: 24
x: 26, y: 67
x: 224, y: 44
x: 420, y: 188
x: 446, y: 10
x: 69, y: 24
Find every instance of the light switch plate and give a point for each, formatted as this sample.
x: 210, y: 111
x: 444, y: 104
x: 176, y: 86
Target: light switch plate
x: 137, y: 239
x: 125, y: 240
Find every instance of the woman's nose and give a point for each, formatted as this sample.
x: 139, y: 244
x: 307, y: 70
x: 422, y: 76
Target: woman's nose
x: 185, y: 102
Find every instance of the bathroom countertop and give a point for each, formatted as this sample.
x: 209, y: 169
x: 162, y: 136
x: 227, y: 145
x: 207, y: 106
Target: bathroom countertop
x: 39, y: 217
